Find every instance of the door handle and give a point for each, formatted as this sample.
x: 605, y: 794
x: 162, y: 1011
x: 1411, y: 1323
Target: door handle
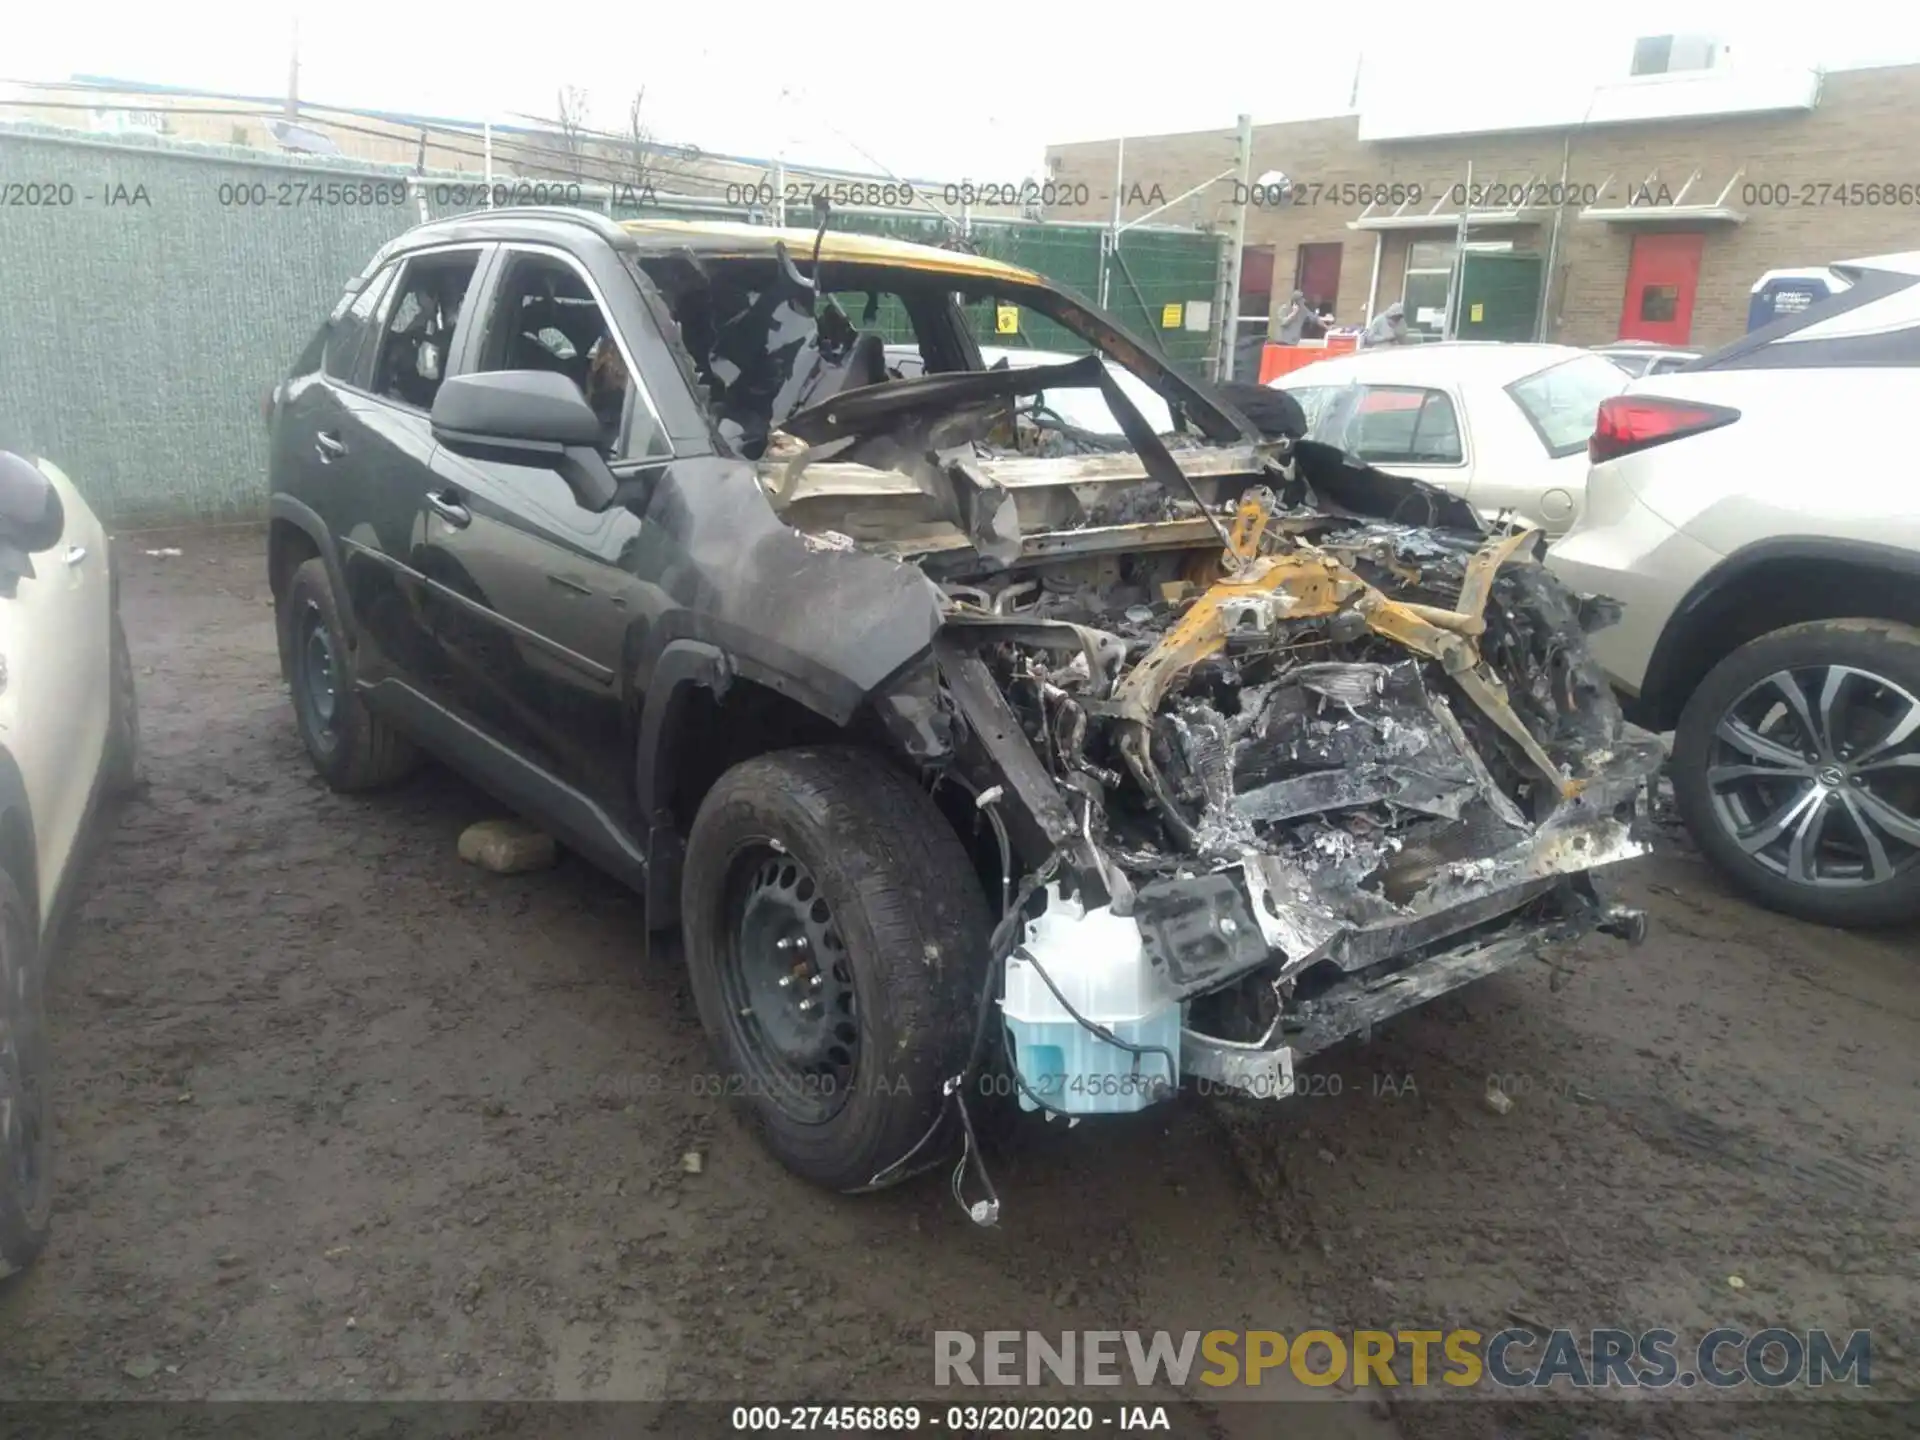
x: 329, y: 447
x: 449, y: 509
x: 75, y: 554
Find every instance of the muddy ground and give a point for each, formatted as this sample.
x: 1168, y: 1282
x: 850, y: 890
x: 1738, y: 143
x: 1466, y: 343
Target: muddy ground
x: 342, y: 1117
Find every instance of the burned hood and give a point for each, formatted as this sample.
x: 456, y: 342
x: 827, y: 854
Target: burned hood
x: 901, y: 404
x: 944, y: 438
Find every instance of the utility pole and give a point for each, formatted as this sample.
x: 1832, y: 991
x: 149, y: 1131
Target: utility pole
x: 293, y: 71
x: 1110, y: 242
x: 1456, y: 280
x: 1243, y: 169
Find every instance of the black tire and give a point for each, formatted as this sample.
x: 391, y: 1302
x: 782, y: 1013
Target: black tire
x: 1273, y: 412
x: 125, y: 767
x: 350, y: 748
x: 26, y: 1117
x: 899, y: 896
x: 1821, y: 873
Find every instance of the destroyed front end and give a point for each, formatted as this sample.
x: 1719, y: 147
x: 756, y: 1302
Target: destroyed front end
x: 1259, y: 746
x: 1368, y: 764
x: 1267, y: 793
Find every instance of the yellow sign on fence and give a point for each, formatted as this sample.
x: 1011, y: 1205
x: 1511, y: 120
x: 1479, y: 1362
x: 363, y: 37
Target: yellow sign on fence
x: 1006, y: 319
x: 1170, y: 316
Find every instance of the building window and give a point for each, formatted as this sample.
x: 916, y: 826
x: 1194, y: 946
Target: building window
x: 1429, y: 284
x: 1659, y: 303
x: 1431, y: 255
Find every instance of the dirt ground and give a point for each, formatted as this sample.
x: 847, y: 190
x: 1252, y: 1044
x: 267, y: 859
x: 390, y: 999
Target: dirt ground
x: 341, y: 1117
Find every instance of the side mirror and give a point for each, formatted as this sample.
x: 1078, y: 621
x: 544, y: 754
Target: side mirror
x: 31, y: 515
x: 527, y: 417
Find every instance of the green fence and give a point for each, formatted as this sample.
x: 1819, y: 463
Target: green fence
x: 152, y: 292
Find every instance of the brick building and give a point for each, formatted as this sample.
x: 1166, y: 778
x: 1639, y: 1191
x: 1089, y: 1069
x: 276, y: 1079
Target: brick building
x: 1641, y: 208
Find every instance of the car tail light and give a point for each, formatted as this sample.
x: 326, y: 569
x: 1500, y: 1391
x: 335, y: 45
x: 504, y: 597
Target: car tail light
x: 1627, y: 423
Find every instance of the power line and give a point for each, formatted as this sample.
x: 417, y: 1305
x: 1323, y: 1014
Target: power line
x: 590, y: 171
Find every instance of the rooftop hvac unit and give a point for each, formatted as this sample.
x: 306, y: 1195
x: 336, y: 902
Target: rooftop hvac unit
x: 1676, y: 54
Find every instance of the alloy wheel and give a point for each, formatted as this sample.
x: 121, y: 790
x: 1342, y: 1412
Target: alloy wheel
x: 1814, y: 772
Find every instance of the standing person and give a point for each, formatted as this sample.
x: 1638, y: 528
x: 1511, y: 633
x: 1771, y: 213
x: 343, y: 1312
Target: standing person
x: 1390, y: 328
x: 1293, y: 320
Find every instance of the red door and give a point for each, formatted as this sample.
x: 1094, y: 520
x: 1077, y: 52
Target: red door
x: 1662, y: 279
x: 1316, y: 274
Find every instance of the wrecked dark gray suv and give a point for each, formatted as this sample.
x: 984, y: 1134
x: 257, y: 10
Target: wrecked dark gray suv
x: 974, y: 751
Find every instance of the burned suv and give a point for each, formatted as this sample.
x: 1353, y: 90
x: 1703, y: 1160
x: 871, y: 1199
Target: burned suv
x: 972, y: 749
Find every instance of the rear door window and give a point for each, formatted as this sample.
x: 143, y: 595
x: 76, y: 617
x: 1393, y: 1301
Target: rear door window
x: 1401, y: 425
x: 1561, y: 401
x: 416, y: 339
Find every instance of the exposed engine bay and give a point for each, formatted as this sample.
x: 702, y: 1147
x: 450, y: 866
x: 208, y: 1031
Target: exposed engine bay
x: 1322, y: 745
x: 1330, y: 767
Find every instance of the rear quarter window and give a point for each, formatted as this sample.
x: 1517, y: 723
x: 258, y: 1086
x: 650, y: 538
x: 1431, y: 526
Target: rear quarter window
x: 1873, y: 323
x: 349, y: 335
x: 1561, y: 401
x: 1316, y: 401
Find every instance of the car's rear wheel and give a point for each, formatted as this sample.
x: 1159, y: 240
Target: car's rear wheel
x: 836, y: 937
x: 26, y: 1118
x: 1797, y: 768
x: 125, y: 770
x: 349, y: 746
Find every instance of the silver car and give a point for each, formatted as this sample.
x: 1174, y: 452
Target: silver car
x: 1756, y: 516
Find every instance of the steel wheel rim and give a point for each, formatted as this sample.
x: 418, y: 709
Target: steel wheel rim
x: 787, y: 983
x: 319, y: 680
x: 1814, y: 772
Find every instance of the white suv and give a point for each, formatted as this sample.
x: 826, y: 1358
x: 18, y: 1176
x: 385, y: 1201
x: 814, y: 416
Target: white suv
x: 68, y: 736
x: 1758, y: 515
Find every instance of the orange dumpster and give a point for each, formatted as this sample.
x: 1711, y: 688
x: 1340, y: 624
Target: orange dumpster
x: 1278, y: 360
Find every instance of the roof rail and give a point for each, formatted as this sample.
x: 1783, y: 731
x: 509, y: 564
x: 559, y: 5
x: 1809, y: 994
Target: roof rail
x: 607, y: 229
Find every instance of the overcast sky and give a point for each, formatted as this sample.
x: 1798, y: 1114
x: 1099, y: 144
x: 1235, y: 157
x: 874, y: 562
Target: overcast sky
x: 931, y: 91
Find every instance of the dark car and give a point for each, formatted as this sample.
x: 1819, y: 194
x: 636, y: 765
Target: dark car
x: 968, y: 748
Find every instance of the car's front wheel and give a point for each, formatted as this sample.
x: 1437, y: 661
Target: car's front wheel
x: 26, y: 1119
x: 1796, y: 766
x: 836, y: 937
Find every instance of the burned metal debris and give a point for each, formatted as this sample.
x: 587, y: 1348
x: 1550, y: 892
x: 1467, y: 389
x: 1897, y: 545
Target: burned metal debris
x: 1331, y: 746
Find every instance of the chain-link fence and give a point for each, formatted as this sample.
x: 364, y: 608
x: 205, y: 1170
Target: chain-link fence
x: 153, y: 291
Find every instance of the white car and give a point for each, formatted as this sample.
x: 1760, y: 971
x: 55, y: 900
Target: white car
x: 1081, y: 408
x: 1502, y: 426
x: 1644, y: 357
x: 68, y: 736
x: 1757, y: 518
